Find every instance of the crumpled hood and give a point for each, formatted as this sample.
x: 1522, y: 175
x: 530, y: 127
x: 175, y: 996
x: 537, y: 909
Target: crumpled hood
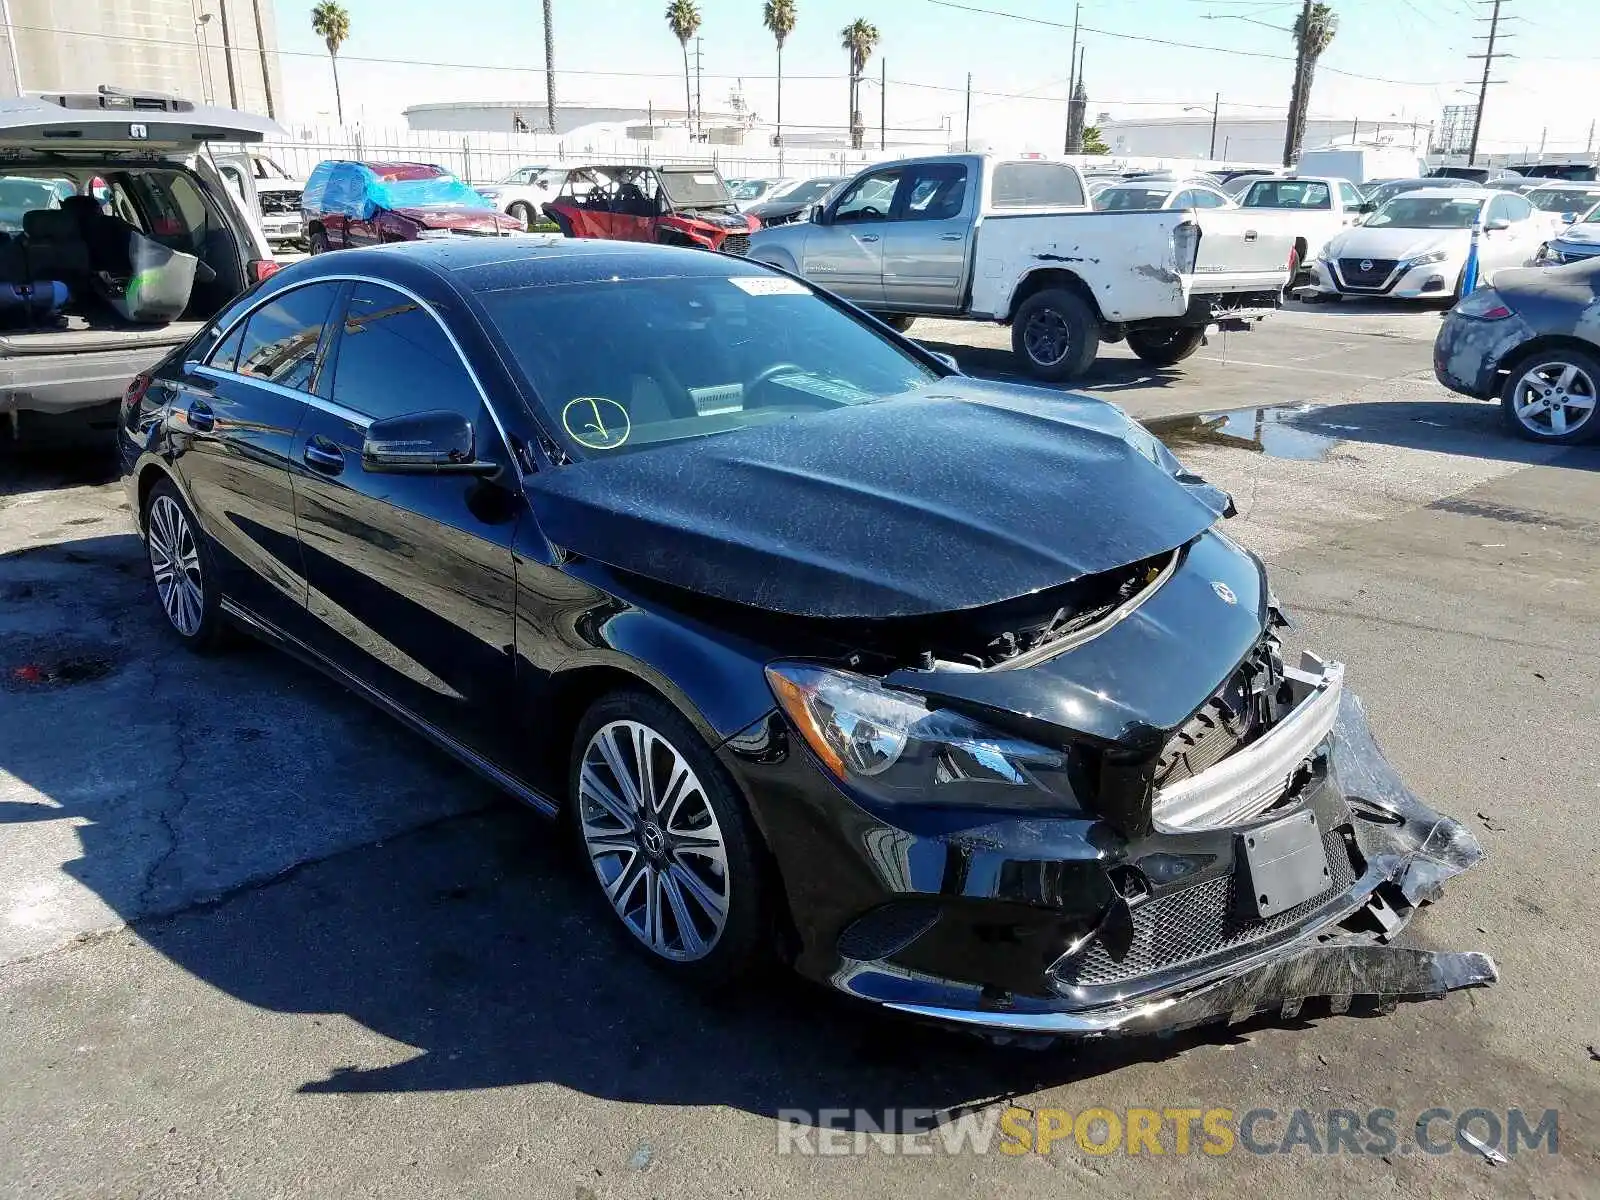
x: 959, y: 495
x: 1586, y: 233
x: 1362, y: 242
x: 462, y: 220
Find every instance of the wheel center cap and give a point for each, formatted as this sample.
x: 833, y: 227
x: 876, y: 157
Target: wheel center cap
x: 652, y: 839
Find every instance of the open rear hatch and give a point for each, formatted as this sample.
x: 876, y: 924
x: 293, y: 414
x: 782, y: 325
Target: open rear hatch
x: 111, y: 119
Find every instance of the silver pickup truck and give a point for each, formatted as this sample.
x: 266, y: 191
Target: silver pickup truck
x: 991, y: 239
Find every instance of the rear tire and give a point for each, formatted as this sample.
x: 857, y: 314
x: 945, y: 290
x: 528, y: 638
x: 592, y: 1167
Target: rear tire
x: 1166, y: 347
x: 1544, y: 395
x: 898, y: 322
x: 1055, y: 334
x: 679, y: 871
x: 182, y: 569
x: 318, y: 242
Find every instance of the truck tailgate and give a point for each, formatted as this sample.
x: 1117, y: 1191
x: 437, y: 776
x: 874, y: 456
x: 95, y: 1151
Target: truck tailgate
x: 1241, y: 252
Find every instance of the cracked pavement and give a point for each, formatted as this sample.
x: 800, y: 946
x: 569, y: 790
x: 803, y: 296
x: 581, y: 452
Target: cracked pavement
x: 256, y: 940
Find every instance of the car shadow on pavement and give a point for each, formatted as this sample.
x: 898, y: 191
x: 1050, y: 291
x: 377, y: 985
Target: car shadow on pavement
x: 1106, y: 375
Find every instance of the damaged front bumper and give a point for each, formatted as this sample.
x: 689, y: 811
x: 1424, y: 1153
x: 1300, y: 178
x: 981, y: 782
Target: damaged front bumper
x: 983, y: 930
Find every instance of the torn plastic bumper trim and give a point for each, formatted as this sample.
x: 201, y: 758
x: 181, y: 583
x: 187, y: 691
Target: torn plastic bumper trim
x: 1338, y: 972
x: 1250, y: 781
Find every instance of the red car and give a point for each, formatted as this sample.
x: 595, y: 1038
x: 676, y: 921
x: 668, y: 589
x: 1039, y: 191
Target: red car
x: 677, y: 206
x: 349, y: 204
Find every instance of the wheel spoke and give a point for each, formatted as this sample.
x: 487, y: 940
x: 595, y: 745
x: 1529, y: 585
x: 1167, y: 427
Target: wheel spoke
x: 625, y: 881
x: 606, y: 743
x: 654, y: 925
x: 688, y: 936
x: 714, y: 905
x: 642, y: 757
x: 1558, y: 419
x: 1568, y: 374
x: 1532, y: 407
x: 1581, y: 403
x: 592, y: 787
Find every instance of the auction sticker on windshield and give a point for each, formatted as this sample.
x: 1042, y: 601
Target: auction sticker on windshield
x: 596, y: 422
x: 769, y: 285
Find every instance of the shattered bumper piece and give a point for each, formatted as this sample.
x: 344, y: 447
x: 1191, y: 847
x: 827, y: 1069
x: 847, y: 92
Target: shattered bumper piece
x: 1342, y: 974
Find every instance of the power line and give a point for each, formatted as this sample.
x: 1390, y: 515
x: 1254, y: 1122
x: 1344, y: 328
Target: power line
x: 1136, y: 37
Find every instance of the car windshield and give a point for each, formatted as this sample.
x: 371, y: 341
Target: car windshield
x: 523, y: 175
x: 807, y: 191
x: 1564, y: 200
x: 1428, y: 212
x: 1131, y: 199
x: 625, y: 364
x: 439, y: 191
x: 695, y: 189
x: 20, y: 196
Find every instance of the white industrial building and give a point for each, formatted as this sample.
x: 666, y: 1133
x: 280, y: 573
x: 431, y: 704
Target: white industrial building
x: 209, y: 51
x: 1246, y: 139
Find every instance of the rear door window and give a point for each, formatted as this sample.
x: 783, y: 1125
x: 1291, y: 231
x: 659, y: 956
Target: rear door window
x: 936, y: 192
x: 1035, y: 185
x: 280, y: 339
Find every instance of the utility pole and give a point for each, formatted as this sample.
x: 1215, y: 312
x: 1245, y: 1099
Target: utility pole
x: 227, y: 54
x: 699, y: 111
x: 1297, y: 97
x: 966, y: 137
x: 1216, y: 107
x: 1488, y: 57
x: 1072, y: 75
x: 883, y: 104
x: 261, y: 49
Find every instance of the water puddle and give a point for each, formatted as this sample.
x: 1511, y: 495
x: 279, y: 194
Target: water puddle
x: 1271, y: 431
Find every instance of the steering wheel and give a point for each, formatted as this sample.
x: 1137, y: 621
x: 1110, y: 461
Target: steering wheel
x: 868, y: 211
x: 767, y: 374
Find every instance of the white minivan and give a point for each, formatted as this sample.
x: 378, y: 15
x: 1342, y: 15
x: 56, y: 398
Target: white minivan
x: 118, y: 239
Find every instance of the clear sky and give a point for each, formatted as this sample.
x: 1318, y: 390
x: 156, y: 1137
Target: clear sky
x: 1401, y: 60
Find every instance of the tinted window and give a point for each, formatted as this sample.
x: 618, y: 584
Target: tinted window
x: 618, y: 365
x: 1288, y: 193
x: 280, y: 338
x: 1131, y: 199
x: 869, y: 198
x: 1564, y: 200
x: 394, y: 359
x: 1035, y: 185
x: 1425, y: 211
x: 936, y: 192
x: 227, y: 354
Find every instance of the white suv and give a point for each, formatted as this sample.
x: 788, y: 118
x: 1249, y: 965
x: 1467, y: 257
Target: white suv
x: 121, y: 241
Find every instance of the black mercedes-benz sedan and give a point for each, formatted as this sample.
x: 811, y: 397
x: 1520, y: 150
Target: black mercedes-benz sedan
x: 950, y: 694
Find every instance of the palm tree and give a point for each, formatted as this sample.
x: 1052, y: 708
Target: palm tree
x: 859, y: 39
x: 780, y: 20
x: 549, y: 69
x: 683, y: 18
x: 331, y: 23
x: 1311, y: 39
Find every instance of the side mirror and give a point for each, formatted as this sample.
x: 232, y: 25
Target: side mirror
x: 819, y: 215
x: 425, y: 443
x: 1366, y: 206
x: 1498, y: 224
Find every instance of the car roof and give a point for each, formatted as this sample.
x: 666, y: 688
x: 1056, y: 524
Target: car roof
x: 1450, y: 193
x: 479, y: 265
x: 1569, y: 185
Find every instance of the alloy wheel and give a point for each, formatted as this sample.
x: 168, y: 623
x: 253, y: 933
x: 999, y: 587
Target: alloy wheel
x: 1047, y: 337
x: 1554, y: 399
x: 654, y: 840
x: 175, y: 562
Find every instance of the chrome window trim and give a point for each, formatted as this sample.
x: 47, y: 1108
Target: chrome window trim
x: 328, y: 406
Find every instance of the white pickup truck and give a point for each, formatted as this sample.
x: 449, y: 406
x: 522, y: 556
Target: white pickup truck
x: 991, y: 239
x: 1311, y: 209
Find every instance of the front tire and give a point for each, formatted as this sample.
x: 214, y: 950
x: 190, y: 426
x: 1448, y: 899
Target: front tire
x: 1166, y: 347
x: 182, y: 569
x: 523, y: 213
x: 1551, y: 397
x: 668, y: 839
x: 1056, y: 335
x: 898, y: 322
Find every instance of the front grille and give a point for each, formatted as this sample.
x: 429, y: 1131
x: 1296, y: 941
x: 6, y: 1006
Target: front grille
x: 736, y: 243
x: 1357, y: 275
x: 277, y: 203
x: 1236, y: 714
x: 1198, y: 923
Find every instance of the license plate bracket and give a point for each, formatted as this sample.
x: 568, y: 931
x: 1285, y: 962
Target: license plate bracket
x: 1281, y: 865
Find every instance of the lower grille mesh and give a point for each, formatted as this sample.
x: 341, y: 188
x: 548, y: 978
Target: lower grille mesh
x: 1196, y: 923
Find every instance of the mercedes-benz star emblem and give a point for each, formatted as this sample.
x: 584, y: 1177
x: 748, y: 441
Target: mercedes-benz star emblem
x: 1224, y: 593
x: 1366, y: 264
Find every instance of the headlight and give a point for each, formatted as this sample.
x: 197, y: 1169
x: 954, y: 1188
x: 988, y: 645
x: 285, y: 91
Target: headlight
x: 1432, y: 256
x: 890, y: 746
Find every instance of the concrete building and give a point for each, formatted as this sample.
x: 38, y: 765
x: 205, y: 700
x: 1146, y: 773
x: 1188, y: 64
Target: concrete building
x: 528, y: 116
x: 210, y: 51
x: 1244, y: 139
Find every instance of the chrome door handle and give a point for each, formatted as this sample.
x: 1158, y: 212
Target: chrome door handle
x: 328, y: 460
x: 869, y: 237
x: 951, y: 237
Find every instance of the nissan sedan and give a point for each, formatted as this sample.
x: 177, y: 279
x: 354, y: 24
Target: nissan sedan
x: 950, y: 694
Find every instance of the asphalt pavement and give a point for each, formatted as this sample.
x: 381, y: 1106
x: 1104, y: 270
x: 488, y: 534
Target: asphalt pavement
x: 256, y: 940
